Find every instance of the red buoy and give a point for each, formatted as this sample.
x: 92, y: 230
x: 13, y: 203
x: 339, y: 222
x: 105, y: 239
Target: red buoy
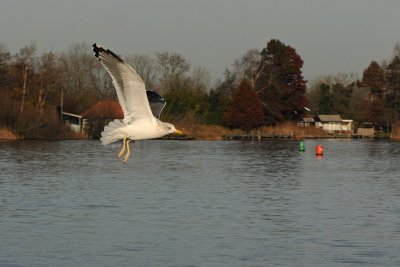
x: 319, y: 150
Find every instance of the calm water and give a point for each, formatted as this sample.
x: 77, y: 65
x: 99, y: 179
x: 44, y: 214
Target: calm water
x: 184, y: 203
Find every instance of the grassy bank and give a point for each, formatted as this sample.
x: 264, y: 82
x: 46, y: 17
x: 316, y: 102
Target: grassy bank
x: 215, y: 132
x: 56, y: 134
x: 395, y: 132
x: 7, y: 134
x: 209, y: 132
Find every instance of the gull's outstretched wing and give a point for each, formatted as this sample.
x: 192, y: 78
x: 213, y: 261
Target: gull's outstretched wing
x: 157, y: 103
x: 130, y: 87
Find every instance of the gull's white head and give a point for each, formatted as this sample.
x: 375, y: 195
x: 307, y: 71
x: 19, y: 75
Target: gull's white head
x: 170, y: 128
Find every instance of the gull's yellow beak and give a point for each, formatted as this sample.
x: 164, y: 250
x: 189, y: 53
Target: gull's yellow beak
x: 178, y: 132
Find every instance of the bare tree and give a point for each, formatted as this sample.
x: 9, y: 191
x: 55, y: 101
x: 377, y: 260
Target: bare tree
x: 201, y: 79
x: 78, y: 63
x: 340, y: 78
x: 146, y: 67
x: 85, y: 81
x: 396, y: 50
x: 246, y: 67
x: 173, y: 69
x: 49, y: 79
x: 25, y: 57
x: 4, y: 60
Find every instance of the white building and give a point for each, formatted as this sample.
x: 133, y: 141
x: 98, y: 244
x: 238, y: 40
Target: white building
x: 333, y: 123
x: 74, y: 121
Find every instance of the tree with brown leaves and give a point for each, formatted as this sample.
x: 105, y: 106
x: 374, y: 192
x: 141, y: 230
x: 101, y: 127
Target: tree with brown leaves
x: 246, y: 109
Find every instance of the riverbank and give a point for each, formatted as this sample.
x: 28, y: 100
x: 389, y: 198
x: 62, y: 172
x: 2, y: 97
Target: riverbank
x: 7, y: 134
x: 288, y: 130
x: 214, y: 132
x: 193, y: 131
x: 395, y: 135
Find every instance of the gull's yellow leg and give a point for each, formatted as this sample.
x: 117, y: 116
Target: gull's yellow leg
x: 123, y: 148
x: 127, y: 153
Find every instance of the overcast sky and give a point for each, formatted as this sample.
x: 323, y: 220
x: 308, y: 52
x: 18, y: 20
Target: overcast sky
x: 331, y: 36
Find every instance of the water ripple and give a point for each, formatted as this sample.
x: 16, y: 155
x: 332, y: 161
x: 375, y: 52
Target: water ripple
x: 72, y: 203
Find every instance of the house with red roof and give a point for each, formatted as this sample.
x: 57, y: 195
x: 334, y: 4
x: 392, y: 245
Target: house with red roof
x: 104, y: 110
x: 92, y: 121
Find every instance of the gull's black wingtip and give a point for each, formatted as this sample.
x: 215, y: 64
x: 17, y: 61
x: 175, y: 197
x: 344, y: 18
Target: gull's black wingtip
x: 97, y: 49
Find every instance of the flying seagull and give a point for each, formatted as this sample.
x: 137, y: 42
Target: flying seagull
x: 141, y: 117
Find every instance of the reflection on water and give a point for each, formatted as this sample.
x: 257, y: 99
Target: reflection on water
x: 184, y: 203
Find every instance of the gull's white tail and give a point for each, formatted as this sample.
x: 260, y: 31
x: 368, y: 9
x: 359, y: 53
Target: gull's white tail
x: 112, y: 132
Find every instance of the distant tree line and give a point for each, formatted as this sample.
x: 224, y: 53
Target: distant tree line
x: 375, y: 98
x: 32, y: 86
x: 261, y: 88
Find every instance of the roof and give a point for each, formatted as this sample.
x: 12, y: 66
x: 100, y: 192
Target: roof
x: 104, y: 110
x: 329, y: 118
x: 71, y: 115
x: 366, y: 125
x: 307, y: 120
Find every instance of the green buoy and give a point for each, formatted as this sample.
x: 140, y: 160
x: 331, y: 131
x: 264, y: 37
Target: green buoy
x: 301, y: 146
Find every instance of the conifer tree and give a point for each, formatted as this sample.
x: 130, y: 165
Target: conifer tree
x: 246, y: 109
x: 374, y: 79
x: 280, y: 83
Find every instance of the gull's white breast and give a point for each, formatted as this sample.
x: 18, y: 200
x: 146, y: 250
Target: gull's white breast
x: 144, y: 129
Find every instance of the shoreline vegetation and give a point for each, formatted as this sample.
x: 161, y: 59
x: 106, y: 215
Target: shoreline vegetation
x: 202, y: 132
x: 262, y: 88
x: 7, y: 134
